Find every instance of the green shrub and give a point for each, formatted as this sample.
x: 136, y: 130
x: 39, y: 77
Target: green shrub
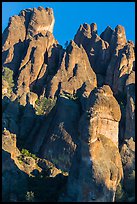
x: 26, y: 153
x: 44, y: 105
x: 7, y: 75
x: 30, y: 196
x: 20, y: 159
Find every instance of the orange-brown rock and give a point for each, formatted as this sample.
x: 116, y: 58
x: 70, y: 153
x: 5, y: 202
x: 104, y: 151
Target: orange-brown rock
x: 25, y: 163
x: 104, y: 113
x: 57, y: 139
x: 34, y: 66
x: 42, y: 20
x: 75, y: 73
x: 120, y: 66
x: 111, y: 56
x: 95, y: 47
x: 38, y: 46
x: 72, y: 107
x: 97, y: 168
x: 17, y: 169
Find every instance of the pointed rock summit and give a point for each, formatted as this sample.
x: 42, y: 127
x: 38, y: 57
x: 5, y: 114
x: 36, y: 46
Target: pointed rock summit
x: 68, y: 114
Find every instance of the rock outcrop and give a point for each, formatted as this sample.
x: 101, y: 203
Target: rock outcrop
x: 128, y: 160
x: 130, y: 107
x: 40, y: 51
x: 111, y: 56
x: 75, y: 73
x: 61, y: 137
x: 95, y: 47
x: 14, y: 181
x: 97, y: 168
x: 20, y: 168
x: 73, y: 108
x: 128, y: 147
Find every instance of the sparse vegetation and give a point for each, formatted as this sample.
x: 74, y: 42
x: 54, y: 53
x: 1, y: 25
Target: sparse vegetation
x: 30, y: 196
x: 122, y: 105
x: 7, y: 75
x: 26, y: 153
x: 44, y: 105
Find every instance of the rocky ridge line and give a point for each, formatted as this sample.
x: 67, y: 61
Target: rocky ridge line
x: 86, y: 94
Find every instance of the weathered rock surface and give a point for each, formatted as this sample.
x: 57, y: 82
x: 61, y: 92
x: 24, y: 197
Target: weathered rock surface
x: 19, y: 171
x: 130, y: 107
x: 110, y: 54
x: 128, y: 160
x: 75, y: 73
x: 61, y: 137
x: 74, y: 108
x: 97, y: 169
x: 42, y: 20
x: 38, y: 46
x: 14, y: 181
x: 128, y: 147
x: 26, y: 164
x: 120, y: 66
x: 95, y: 47
x: 34, y: 66
x: 104, y: 114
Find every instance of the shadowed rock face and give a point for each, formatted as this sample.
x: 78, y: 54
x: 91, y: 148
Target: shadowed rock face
x: 128, y: 147
x: 130, y: 107
x: 62, y: 135
x: 74, y: 72
x: 20, y: 173
x: 14, y: 181
x: 29, y: 51
x: 110, y: 54
x: 34, y: 66
x: 91, y: 87
x: 128, y: 161
x: 98, y: 164
x: 95, y: 47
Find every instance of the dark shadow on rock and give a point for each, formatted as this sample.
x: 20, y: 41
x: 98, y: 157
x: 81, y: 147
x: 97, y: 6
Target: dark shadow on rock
x: 20, y: 50
x: 19, y: 120
x: 4, y: 55
x: 35, y: 132
x: 121, y: 97
x: 5, y: 35
x: 53, y: 63
x: 17, y: 185
x: 61, y: 134
x: 47, y: 188
x: 14, y: 181
x: 58, y: 90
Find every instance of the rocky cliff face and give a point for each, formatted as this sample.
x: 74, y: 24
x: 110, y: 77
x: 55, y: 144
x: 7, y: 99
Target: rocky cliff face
x: 73, y: 109
x: 98, y: 166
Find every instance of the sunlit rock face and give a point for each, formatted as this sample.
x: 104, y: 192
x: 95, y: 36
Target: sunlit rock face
x: 97, y: 168
x: 42, y: 20
x: 72, y: 107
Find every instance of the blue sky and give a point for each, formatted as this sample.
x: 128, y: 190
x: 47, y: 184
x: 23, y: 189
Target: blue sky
x: 69, y: 16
